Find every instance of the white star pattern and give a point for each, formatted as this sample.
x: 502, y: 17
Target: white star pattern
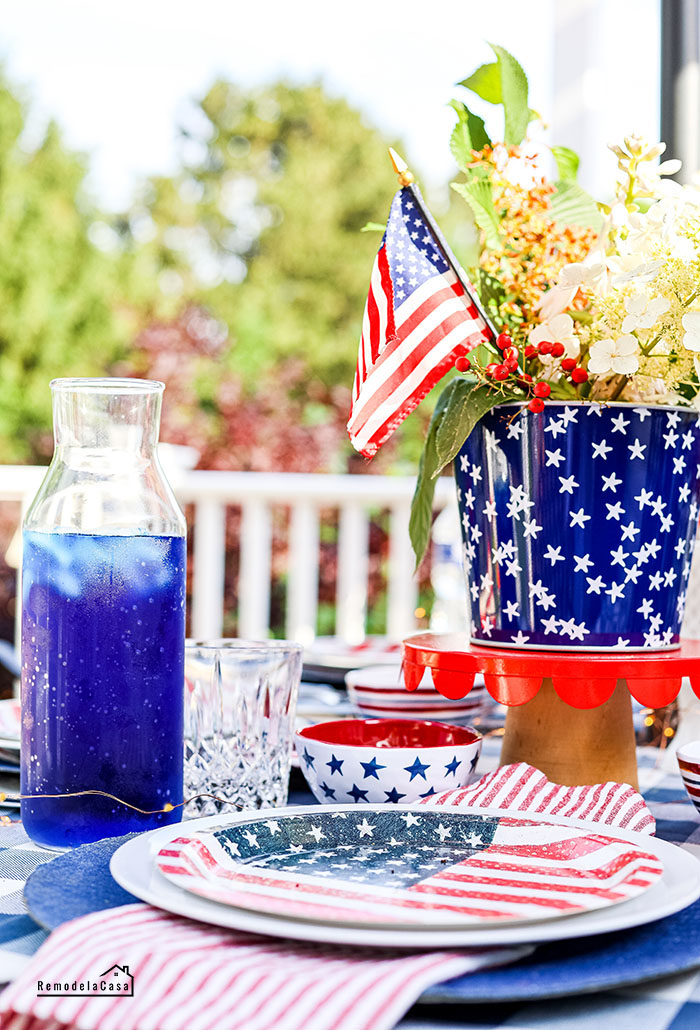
x: 658, y: 506
x: 531, y: 529
x: 616, y: 590
x: 614, y: 511
x: 555, y: 428
x: 553, y: 554
x: 655, y: 581
x: 619, y: 556
x: 567, y: 485
x: 578, y: 518
x: 644, y: 498
x: 554, y: 457
x: 601, y: 450
x: 552, y: 612
x: 546, y: 601
x: 611, y: 482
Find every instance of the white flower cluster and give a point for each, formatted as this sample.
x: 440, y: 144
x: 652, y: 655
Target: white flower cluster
x: 636, y: 297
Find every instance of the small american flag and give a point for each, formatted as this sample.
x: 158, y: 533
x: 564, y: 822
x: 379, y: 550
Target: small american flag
x: 418, y: 320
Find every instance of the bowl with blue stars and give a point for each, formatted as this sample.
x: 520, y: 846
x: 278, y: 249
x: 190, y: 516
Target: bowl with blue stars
x: 392, y: 761
x: 578, y: 524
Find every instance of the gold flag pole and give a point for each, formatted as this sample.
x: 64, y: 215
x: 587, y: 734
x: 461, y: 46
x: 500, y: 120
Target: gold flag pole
x: 407, y: 181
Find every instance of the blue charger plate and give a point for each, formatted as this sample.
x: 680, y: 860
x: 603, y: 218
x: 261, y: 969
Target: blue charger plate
x: 607, y: 961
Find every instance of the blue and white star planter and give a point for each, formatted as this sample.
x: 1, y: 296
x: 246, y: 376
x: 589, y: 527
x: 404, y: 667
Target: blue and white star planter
x: 387, y: 761
x: 578, y: 525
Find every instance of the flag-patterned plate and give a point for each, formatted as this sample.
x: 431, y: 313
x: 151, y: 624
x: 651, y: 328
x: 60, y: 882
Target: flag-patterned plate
x: 395, y: 867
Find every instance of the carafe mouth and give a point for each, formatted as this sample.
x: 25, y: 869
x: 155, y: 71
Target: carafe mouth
x: 94, y: 416
x: 107, y: 385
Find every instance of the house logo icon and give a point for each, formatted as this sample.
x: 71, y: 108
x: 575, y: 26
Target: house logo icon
x: 118, y: 980
x: 115, y: 982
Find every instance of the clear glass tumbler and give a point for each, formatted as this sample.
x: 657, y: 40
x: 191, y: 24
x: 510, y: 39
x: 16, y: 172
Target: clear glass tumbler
x: 240, y: 703
x: 103, y: 622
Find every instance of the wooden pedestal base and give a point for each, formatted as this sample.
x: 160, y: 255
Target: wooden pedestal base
x: 574, y: 746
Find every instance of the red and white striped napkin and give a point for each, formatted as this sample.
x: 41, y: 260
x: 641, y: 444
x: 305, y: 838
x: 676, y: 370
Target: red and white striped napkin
x: 190, y: 976
x: 522, y: 788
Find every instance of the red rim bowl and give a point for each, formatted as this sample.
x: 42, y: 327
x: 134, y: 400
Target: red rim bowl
x: 395, y: 733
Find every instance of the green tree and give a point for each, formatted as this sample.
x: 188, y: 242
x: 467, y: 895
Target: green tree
x: 57, y: 312
x: 263, y: 226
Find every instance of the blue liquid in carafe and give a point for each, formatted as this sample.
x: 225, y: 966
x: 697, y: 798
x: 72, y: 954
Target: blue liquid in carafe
x: 103, y: 628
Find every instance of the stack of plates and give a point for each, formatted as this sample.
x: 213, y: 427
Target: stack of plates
x: 329, y: 658
x: 9, y: 749
x: 408, y: 877
x: 379, y: 692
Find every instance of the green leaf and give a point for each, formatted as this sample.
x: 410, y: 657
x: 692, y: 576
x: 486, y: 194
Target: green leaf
x: 421, y: 519
x: 571, y: 205
x: 468, y: 134
x: 461, y: 144
x: 460, y: 406
x: 373, y: 227
x: 486, y: 83
x: 514, y: 96
x: 467, y: 404
x: 567, y: 161
x: 478, y: 195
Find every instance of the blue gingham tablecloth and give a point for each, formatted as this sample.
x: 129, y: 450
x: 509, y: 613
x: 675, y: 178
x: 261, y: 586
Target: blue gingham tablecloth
x: 672, y: 1003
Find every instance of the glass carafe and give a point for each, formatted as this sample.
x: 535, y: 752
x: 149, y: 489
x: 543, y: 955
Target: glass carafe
x: 103, y: 622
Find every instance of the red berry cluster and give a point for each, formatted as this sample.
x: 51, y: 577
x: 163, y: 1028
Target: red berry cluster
x: 510, y: 367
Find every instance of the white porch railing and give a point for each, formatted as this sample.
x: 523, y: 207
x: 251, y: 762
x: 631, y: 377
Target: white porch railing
x: 256, y: 494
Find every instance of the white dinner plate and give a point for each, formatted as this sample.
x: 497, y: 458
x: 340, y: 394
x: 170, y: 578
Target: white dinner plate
x: 134, y: 868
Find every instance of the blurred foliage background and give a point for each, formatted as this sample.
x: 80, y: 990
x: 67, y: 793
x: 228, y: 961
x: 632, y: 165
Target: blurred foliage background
x: 240, y: 280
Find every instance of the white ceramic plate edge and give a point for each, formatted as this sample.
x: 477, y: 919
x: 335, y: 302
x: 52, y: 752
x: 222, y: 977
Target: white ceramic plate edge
x: 132, y: 866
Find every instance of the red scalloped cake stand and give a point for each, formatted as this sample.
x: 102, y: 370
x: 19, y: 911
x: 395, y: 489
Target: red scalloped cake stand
x: 569, y: 713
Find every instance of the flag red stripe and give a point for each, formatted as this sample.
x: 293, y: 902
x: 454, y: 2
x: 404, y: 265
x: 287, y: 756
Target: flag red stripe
x: 368, y: 406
